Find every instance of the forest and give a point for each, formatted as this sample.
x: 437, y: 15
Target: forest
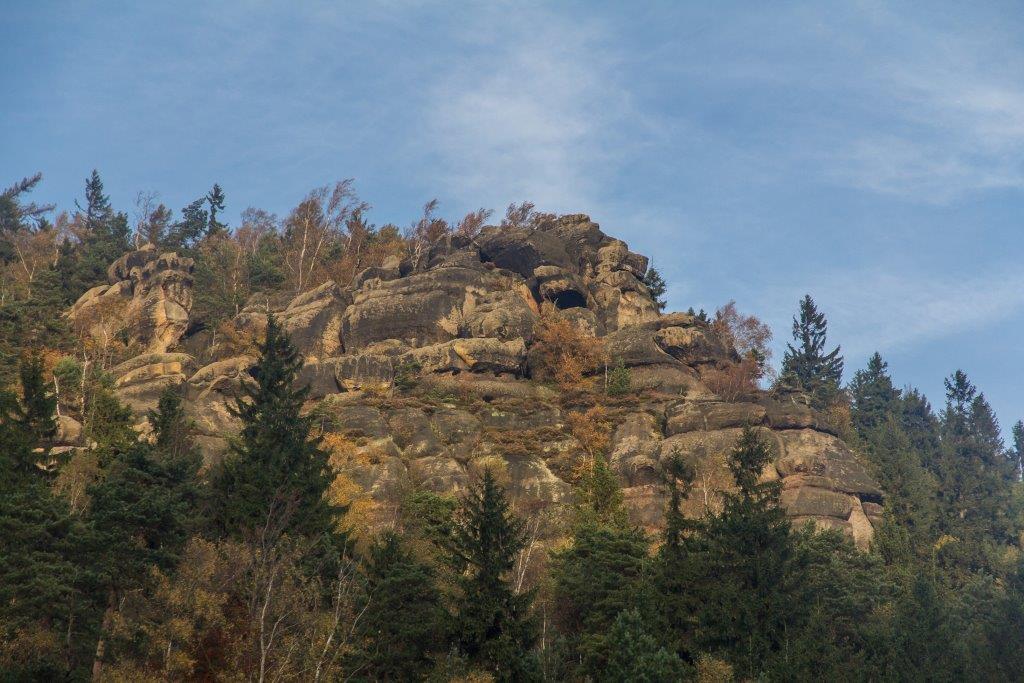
x: 137, y: 559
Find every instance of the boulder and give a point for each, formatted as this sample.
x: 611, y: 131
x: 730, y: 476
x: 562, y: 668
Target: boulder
x: 313, y: 320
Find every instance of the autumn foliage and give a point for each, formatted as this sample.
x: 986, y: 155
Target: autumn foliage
x: 733, y: 380
x: 562, y: 353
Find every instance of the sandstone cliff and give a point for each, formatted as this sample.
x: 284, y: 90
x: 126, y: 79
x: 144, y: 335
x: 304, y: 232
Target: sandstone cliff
x: 420, y: 371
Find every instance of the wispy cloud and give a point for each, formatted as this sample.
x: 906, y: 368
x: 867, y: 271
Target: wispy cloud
x: 532, y: 115
x: 871, y: 310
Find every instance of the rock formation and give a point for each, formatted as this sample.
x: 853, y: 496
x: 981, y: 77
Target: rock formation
x: 457, y: 320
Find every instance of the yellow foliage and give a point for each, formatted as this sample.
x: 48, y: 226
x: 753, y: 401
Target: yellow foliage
x: 562, y: 352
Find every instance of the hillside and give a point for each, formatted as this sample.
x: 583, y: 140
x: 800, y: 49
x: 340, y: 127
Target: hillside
x: 455, y: 325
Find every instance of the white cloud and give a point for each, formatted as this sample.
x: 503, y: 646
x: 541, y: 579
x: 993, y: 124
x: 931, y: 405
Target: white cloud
x: 532, y: 115
x: 871, y: 310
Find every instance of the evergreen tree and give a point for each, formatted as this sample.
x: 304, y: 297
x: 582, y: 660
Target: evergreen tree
x: 403, y: 625
x: 635, y: 655
x: 909, y: 527
x: 104, y: 238
x: 974, y: 478
x: 747, y: 554
x: 194, y: 223
x: 601, y: 573
x: 492, y: 624
x: 97, y: 210
x: 920, y: 425
x: 675, y: 570
x: 274, y: 472
x: 656, y: 286
x: 171, y: 427
x: 215, y: 200
x: 42, y: 611
x: 872, y: 396
x: 807, y: 366
x: 38, y: 403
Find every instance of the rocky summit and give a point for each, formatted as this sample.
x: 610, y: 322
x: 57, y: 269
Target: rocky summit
x: 423, y: 371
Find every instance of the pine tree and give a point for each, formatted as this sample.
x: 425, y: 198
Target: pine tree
x: 872, y: 396
x: 403, y: 625
x: 492, y: 624
x: 807, y: 366
x: 215, y: 200
x: 656, y: 286
x: 194, y: 223
x: 275, y: 473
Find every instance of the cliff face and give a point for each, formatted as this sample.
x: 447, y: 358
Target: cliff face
x: 419, y: 373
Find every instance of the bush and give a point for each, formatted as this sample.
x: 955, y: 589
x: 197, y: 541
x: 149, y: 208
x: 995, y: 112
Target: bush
x: 561, y: 352
x: 620, y: 380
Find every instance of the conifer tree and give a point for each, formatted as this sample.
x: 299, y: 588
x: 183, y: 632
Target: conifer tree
x: 807, y: 366
x: 872, y: 396
x: 974, y: 478
x: 215, y: 200
x: 601, y: 573
x: 404, y: 623
x: 186, y: 232
x: 676, y: 571
x: 634, y: 654
x: 274, y: 469
x: 38, y: 403
x: 492, y: 624
x: 748, y: 552
x: 105, y: 237
x: 656, y: 285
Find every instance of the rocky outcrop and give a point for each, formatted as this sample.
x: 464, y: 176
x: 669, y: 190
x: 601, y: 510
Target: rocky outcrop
x: 147, y: 301
x: 419, y: 375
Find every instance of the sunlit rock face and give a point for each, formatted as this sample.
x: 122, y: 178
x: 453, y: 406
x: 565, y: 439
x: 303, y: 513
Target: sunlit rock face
x: 420, y: 374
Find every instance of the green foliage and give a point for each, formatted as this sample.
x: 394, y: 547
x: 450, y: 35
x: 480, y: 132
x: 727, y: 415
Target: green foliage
x: 403, y: 625
x: 275, y: 473
x: 598, y: 576
x: 746, y: 551
x: 620, y: 380
x: 104, y: 238
x: 635, y: 655
x: 407, y: 375
x: 656, y: 286
x: 492, y: 626
x: 807, y: 366
x: 598, y: 496
x: 872, y: 396
x: 215, y: 200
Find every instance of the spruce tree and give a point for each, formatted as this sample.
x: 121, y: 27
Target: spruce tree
x: 105, y: 237
x: 275, y: 473
x: 38, y: 403
x: 185, y: 233
x: 872, y: 396
x: 601, y: 573
x: 492, y: 624
x: 403, y: 625
x: 656, y: 286
x: 807, y: 366
x: 634, y: 654
x: 747, y: 552
x: 676, y: 569
x: 974, y: 479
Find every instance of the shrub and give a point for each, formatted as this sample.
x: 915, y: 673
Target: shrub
x: 562, y: 352
x: 620, y: 380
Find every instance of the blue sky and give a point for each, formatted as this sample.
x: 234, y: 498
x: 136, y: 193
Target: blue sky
x: 871, y: 154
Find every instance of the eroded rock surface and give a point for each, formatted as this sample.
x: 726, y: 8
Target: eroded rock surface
x: 420, y: 371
